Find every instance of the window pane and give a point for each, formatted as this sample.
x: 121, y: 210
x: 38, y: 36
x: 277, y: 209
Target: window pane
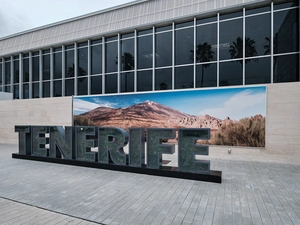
x: 96, y: 60
x: 206, y: 45
x: 35, y: 69
x: 57, y: 73
x: 7, y: 88
x: 258, y: 32
x: 16, y: 72
x: 145, y: 52
x: 163, y: 79
x: 144, y: 32
x: 163, y: 49
x: 258, y: 10
x: 7, y: 73
x: 96, y: 85
x: 69, y: 61
x: 57, y: 91
x: 206, y: 20
x: 127, y: 82
x: 231, y: 39
x: 184, y: 77
x: 288, y: 4
x: 206, y: 75
x: 286, y: 68
x: 258, y: 71
x: 185, y: 24
x: 0, y: 74
x: 111, y: 54
x: 231, y: 73
x: 231, y: 15
x: 111, y: 83
x: 184, y: 44
x: 144, y: 80
x: 69, y: 87
x: 26, y: 70
x: 16, y: 91
x: 82, y: 86
x: 127, y: 52
x: 286, y: 31
x: 82, y: 61
x: 35, y: 90
x: 46, y: 89
x: 46, y: 68
x: 25, y: 91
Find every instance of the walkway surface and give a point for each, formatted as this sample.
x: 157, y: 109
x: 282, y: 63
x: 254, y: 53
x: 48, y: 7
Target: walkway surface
x: 252, y: 192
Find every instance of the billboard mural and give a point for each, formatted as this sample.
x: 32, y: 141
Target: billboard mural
x: 236, y: 116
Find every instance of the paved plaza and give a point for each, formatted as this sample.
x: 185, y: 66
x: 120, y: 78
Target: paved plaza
x: 257, y: 191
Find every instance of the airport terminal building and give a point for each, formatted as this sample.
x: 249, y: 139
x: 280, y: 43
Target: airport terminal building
x: 152, y: 46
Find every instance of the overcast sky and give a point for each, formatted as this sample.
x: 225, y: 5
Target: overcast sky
x: 20, y: 15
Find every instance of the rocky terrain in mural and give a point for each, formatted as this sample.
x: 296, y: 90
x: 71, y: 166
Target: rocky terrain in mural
x: 149, y: 114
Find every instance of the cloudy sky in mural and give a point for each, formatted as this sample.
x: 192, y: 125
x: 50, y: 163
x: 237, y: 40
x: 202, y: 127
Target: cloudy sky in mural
x: 235, y: 103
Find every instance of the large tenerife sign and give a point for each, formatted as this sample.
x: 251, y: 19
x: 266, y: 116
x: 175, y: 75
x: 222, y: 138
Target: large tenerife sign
x: 73, y: 145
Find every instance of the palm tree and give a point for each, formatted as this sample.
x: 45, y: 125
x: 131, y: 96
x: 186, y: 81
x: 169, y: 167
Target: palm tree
x: 127, y: 61
x: 236, y: 49
x: 203, y: 54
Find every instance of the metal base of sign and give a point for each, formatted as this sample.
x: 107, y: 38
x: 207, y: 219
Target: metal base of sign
x: 165, y: 171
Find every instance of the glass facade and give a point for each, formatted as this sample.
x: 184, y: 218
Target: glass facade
x: 249, y: 46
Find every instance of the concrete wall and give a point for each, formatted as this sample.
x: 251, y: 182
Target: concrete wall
x: 282, y: 119
x: 47, y: 111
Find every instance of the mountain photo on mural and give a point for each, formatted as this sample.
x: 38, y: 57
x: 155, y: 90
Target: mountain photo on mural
x: 236, y: 116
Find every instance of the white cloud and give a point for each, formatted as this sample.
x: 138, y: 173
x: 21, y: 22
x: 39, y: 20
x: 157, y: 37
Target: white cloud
x: 102, y: 103
x: 81, y: 106
x: 240, y: 105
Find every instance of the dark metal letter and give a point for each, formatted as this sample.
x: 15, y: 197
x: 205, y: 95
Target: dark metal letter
x: 155, y: 146
x: 188, y: 149
x: 86, y: 138
x: 62, y: 142
x: 136, y: 147
x: 39, y: 141
x: 111, y: 141
x: 24, y: 139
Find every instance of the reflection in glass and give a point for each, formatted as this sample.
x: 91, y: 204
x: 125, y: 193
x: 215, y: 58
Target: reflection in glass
x: 206, y: 75
x: 163, y: 79
x: 163, y: 49
x: 16, y: 72
x: 96, y: 85
x: 184, y: 43
x: 7, y: 72
x: 231, y: 73
x: 127, y: 52
x: 144, y: 80
x: 286, y: 31
x: 25, y: 91
x: 258, y: 72
x: 82, y: 61
x: 184, y: 77
x: 230, y: 31
x: 96, y: 59
x: 258, y: 28
x: 69, y: 87
x: 286, y: 68
x: 206, y: 20
x: 46, y: 67
x: 144, y: 52
x: 57, y: 88
x: 35, y: 90
x: 206, y: 35
x: 69, y: 64
x: 16, y: 92
x: 7, y: 88
x: 82, y: 86
x: 57, y: 73
x: 111, y: 53
x: 127, y: 82
x: 35, y: 68
x: 111, y: 83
